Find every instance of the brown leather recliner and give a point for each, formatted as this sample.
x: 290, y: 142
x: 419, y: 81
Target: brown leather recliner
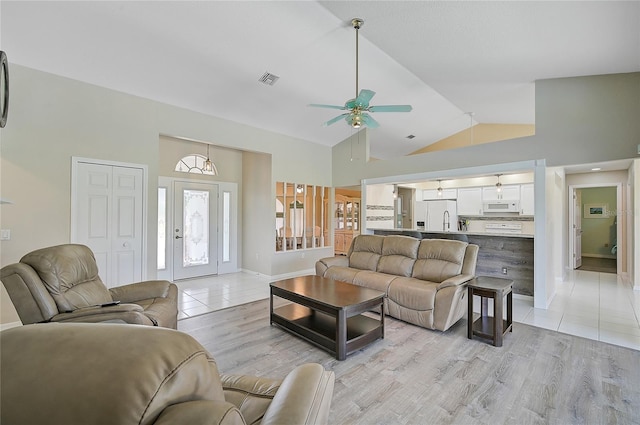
x: 85, y: 373
x: 61, y: 284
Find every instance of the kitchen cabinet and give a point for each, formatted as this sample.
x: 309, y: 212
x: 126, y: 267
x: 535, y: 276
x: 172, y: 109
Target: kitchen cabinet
x: 432, y: 194
x: 508, y: 193
x: 346, y: 222
x: 526, y: 199
x: 470, y: 201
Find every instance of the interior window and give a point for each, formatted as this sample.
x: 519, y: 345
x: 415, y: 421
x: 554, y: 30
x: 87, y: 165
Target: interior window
x: 301, y: 216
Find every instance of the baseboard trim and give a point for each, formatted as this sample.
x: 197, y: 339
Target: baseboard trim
x: 610, y: 257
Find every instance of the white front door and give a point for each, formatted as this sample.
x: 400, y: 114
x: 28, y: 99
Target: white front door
x: 577, y: 228
x: 195, y: 230
x: 108, y: 216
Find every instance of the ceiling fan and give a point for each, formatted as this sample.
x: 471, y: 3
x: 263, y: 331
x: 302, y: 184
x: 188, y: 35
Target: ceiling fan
x: 359, y: 108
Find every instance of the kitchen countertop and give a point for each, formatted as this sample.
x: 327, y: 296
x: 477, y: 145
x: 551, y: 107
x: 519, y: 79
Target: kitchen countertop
x: 457, y: 232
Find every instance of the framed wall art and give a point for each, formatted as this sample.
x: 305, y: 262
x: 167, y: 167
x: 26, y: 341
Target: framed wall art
x: 596, y: 211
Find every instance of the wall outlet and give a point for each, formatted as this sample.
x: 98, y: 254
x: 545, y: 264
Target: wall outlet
x: 504, y: 270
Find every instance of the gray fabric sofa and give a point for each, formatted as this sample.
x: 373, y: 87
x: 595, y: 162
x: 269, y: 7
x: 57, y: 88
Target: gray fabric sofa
x: 89, y: 373
x: 424, y: 280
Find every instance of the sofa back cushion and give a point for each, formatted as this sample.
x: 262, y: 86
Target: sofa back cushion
x: 56, y: 378
x: 365, y: 252
x: 398, y: 255
x: 70, y: 274
x: 439, y: 259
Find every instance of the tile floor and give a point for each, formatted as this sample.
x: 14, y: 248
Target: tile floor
x: 588, y: 304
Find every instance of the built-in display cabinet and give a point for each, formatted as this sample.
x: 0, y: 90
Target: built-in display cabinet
x: 346, y: 222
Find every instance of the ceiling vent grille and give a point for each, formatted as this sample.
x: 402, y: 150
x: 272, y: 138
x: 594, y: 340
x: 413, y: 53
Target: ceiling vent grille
x: 268, y: 79
x: 411, y: 136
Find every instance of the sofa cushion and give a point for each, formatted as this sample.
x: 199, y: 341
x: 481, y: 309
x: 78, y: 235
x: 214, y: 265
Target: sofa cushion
x: 365, y: 252
x: 439, y: 259
x: 374, y: 280
x: 70, y: 274
x: 414, y: 294
x: 398, y: 255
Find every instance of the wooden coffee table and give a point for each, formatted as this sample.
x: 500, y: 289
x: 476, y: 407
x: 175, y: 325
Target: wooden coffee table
x: 327, y: 313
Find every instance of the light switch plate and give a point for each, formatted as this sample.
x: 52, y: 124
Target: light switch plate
x: 5, y: 235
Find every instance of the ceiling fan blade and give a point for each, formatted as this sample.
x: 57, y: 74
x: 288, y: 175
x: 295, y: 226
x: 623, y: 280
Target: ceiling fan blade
x: 364, y: 97
x: 390, y: 108
x: 318, y: 105
x: 369, y: 121
x: 333, y: 120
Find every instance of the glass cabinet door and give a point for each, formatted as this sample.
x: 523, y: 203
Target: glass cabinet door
x: 339, y: 215
x: 356, y: 215
x: 349, y: 215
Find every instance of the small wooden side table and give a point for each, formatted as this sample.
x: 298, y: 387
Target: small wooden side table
x: 485, y: 326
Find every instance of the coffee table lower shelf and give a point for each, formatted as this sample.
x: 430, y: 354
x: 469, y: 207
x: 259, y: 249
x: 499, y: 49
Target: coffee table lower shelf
x: 320, y: 328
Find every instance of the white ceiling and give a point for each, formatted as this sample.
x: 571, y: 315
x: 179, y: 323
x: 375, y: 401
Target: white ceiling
x: 444, y: 58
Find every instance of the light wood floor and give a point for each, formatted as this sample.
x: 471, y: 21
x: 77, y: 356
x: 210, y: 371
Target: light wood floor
x: 418, y: 376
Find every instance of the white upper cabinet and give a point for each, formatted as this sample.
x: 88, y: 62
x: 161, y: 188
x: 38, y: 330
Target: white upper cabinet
x: 470, y: 201
x: 526, y: 199
x: 432, y: 194
x: 508, y: 193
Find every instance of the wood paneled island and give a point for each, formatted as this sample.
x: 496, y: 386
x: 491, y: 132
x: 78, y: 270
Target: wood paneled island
x: 513, y: 251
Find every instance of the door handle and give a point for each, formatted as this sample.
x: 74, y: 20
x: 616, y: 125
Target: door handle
x: 178, y: 237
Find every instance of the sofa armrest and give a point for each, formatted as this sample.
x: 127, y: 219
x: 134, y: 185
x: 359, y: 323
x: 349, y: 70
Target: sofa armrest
x: 304, y: 397
x: 98, y: 312
x: 201, y: 412
x: 455, y: 281
x: 141, y: 291
x: 324, y: 263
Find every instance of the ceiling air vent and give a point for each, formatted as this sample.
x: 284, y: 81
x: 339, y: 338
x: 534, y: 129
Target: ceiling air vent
x: 411, y: 136
x: 268, y: 79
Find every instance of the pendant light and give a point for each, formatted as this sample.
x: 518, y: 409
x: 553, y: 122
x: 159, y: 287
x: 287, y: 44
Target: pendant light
x: 498, y: 185
x: 210, y: 167
x: 439, y: 189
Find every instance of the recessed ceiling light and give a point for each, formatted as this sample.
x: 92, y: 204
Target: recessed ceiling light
x: 596, y: 169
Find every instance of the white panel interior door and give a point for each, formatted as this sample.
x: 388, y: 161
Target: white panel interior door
x: 108, y: 219
x: 195, y: 230
x: 126, y: 238
x: 577, y: 229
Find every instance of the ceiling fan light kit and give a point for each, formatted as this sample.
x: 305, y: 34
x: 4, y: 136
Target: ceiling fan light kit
x: 358, y: 108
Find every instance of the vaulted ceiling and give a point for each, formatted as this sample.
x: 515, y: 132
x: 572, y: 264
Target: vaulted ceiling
x: 444, y: 58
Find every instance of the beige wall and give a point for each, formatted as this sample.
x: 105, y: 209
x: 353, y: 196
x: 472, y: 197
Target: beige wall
x: 54, y: 118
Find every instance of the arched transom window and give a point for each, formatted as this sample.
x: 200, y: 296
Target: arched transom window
x: 197, y: 164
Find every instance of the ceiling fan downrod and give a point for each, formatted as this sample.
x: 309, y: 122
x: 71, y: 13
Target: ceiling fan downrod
x: 357, y: 23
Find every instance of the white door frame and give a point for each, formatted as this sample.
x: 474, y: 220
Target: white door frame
x: 75, y: 160
x: 621, y: 222
x: 223, y: 267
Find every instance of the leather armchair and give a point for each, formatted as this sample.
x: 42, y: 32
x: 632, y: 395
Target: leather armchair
x: 83, y: 373
x: 61, y: 284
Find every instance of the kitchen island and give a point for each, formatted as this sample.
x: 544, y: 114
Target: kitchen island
x: 497, y: 251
